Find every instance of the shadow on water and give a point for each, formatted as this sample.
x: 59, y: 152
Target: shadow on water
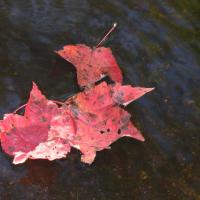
x: 157, y: 45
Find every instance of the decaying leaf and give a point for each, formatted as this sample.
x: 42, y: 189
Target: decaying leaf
x: 89, y: 121
x: 99, y: 119
x: 125, y: 94
x: 43, y: 132
x: 91, y: 64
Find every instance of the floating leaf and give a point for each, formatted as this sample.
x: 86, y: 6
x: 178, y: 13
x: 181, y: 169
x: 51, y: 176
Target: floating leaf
x: 99, y: 120
x: 43, y: 132
x: 89, y: 121
x: 91, y: 64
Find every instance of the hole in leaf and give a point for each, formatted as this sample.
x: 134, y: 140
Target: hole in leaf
x: 108, y: 130
x: 43, y: 119
x: 101, y: 132
x: 8, y: 133
x: 11, y: 149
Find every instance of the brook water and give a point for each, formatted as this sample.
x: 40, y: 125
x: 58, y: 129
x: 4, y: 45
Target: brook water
x: 157, y: 45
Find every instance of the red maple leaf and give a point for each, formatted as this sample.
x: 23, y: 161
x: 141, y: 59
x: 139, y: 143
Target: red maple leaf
x: 99, y: 120
x: 43, y: 132
x: 89, y: 121
x: 91, y: 64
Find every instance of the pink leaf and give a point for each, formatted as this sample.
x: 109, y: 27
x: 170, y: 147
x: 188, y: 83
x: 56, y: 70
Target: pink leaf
x: 43, y: 132
x: 99, y: 119
x: 91, y: 64
x: 125, y: 94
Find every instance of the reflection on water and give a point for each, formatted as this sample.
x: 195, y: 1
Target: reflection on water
x: 156, y: 45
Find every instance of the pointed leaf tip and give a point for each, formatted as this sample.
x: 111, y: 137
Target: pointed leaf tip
x: 125, y: 94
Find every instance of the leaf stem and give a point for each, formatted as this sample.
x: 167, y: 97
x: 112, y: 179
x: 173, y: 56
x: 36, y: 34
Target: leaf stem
x: 107, y: 34
x: 20, y: 108
x: 58, y: 102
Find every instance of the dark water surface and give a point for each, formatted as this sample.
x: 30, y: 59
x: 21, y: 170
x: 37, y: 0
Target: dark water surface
x: 157, y: 45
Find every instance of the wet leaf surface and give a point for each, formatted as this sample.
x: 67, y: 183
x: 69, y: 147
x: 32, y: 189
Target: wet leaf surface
x: 43, y: 132
x: 99, y: 119
x: 156, y: 45
x: 92, y: 64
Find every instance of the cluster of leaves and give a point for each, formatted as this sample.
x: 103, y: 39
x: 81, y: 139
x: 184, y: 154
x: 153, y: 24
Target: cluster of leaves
x: 89, y: 121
